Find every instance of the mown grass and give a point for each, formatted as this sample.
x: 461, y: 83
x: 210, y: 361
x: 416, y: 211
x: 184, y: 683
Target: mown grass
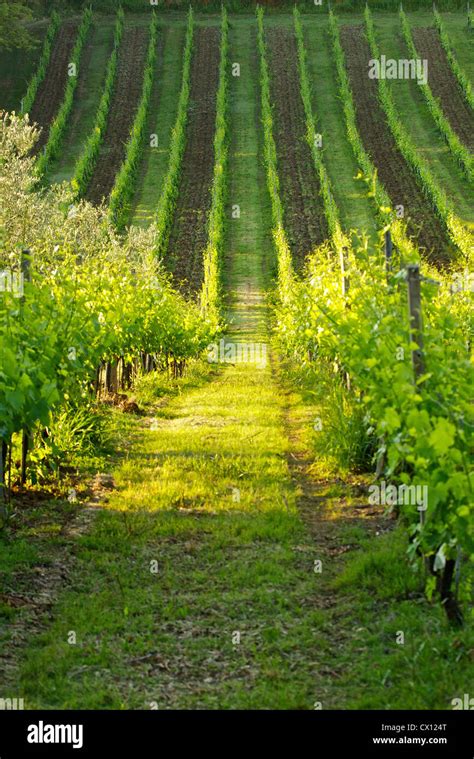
x: 203, y: 489
x: 224, y: 565
x: 249, y: 262
x: 417, y: 662
x: 391, y: 648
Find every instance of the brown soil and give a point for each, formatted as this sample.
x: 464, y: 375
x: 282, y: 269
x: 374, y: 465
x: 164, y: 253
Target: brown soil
x: 305, y: 222
x: 51, y: 90
x: 444, y: 84
x: 188, y: 236
x: 123, y: 106
x: 393, y: 171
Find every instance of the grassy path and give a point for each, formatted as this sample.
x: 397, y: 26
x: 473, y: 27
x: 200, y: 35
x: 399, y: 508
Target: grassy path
x: 250, y: 260
x: 357, y: 212
x: 162, y: 117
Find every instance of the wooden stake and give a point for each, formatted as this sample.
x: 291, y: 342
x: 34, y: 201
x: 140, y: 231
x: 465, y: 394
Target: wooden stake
x: 414, y: 307
x: 345, y: 290
x: 25, y: 438
x: 345, y: 279
x: 108, y: 377
x: 388, y: 252
x: 416, y: 336
x: 3, y: 467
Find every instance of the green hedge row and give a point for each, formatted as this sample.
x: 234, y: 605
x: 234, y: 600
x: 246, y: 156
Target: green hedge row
x: 38, y: 76
x: 125, y: 182
x: 170, y: 190
x: 330, y: 206
x: 85, y: 165
x: 58, y: 127
x: 210, y: 294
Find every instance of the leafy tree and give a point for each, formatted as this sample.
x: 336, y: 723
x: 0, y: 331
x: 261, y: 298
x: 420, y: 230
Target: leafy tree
x: 13, y: 33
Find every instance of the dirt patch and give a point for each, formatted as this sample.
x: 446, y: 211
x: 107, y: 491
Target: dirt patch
x: 305, y: 221
x: 394, y: 172
x: 188, y: 236
x: 123, y: 107
x: 33, y: 591
x: 51, y: 90
x: 444, y: 84
x: 52, y: 527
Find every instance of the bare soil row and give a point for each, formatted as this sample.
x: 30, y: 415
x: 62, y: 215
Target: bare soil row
x: 51, y: 90
x: 305, y: 222
x: 123, y: 107
x: 188, y: 236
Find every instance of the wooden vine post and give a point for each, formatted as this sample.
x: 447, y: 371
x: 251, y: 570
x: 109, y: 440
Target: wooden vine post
x: 388, y: 246
x: 416, y: 336
x: 3, y: 469
x: 416, y: 327
x: 345, y: 284
x: 25, y: 438
x: 344, y: 270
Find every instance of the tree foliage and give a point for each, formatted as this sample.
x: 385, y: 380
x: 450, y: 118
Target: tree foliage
x: 13, y: 33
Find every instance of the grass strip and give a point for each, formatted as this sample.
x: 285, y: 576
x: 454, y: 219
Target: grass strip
x: 285, y: 266
x: 210, y: 294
